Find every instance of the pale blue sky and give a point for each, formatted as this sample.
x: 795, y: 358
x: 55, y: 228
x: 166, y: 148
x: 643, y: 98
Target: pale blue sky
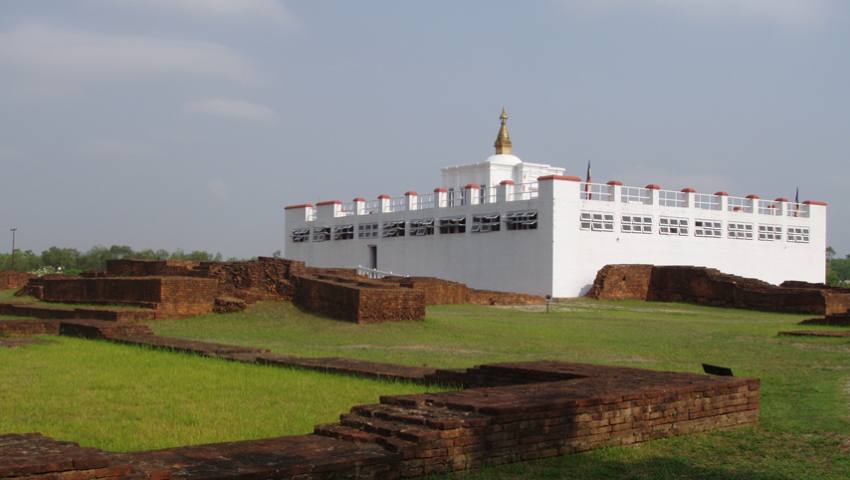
x: 191, y: 123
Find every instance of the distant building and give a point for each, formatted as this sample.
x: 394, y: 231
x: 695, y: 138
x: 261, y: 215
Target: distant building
x: 505, y: 224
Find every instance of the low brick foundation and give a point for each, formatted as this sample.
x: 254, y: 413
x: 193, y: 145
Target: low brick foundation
x: 708, y: 286
x: 815, y: 333
x: 835, y: 320
x: 53, y: 312
x: 556, y: 409
x: 149, y: 268
x: 13, y: 280
x: 357, y: 299
x: 14, y: 328
x: 168, y: 296
x: 444, y: 292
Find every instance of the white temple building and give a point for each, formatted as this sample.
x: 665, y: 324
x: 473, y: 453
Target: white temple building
x: 509, y: 225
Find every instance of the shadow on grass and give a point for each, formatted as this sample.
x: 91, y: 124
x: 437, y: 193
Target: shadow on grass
x: 592, y: 467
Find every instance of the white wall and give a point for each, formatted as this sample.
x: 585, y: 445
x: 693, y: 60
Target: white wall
x: 559, y: 258
x: 515, y: 261
x: 581, y: 253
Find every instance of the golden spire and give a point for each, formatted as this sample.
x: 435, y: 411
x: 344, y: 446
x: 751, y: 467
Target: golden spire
x: 503, y: 140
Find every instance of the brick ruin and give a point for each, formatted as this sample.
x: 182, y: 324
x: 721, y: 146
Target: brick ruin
x: 833, y: 320
x: 708, y: 286
x: 444, y: 292
x: 174, y: 289
x: 357, y: 299
x: 504, y: 413
x: 13, y: 280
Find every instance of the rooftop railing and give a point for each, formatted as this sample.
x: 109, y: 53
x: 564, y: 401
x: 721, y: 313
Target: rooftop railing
x: 348, y: 209
x: 596, y: 191
x: 672, y: 198
x: 797, y: 210
x: 707, y: 201
x: 636, y: 195
x: 424, y: 202
x: 769, y: 207
x: 739, y: 204
x: 525, y: 191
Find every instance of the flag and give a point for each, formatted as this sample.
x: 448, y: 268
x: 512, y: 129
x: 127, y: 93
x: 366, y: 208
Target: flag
x: 587, y: 182
x: 797, y: 201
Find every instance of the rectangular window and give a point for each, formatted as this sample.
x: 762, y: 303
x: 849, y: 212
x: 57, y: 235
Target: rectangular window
x: 367, y: 230
x: 597, y: 221
x: 798, y: 234
x: 343, y: 232
x: 393, y: 229
x: 300, y: 235
x: 635, y: 224
x: 672, y: 226
x: 521, y: 220
x: 321, y: 234
x: 770, y: 233
x: 740, y: 231
x: 452, y: 225
x: 421, y: 227
x: 486, y: 223
x: 708, y: 228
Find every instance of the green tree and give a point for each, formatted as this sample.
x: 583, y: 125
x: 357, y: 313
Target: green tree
x: 56, y: 257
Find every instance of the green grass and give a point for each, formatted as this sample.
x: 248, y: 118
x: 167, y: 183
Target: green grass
x: 124, y: 398
x: 804, y: 430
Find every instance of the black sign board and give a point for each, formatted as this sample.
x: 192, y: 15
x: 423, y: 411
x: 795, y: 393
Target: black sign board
x: 715, y: 370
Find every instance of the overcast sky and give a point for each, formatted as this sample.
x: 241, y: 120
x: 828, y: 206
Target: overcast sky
x: 191, y: 123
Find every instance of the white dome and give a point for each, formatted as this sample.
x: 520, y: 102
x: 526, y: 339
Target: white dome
x: 504, y: 159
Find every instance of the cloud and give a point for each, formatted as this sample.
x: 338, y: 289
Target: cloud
x: 788, y: 12
x: 267, y: 10
x: 58, y: 54
x: 217, y: 189
x: 233, y: 109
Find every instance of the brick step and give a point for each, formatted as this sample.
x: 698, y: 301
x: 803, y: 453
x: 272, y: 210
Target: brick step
x: 349, y: 434
x: 9, y: 328
x: 389, y: 428
x: 102, y: 329
x: 439, y: 418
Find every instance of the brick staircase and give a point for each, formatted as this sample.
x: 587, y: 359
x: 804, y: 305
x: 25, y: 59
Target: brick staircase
x: 429, y: 439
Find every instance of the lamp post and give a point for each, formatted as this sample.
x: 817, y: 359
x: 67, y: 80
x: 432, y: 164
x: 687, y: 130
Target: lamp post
x: 13, y: 230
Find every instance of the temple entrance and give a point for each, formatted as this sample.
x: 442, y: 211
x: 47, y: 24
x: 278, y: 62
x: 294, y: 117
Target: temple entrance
x: 373, y: 257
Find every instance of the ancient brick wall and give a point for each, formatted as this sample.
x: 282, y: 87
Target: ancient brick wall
x: 436, y: 291
x: 358, y: 300
x: 13, y: 280
x: 489, y: 297
x: 170, y: 296
x: 186, y: 296
x: 622, y: 282
x: 263, y: 279
x: 444, y: 292
x: 10, y: 328
x: 149, y: 268
x: 708, y: 286
x: 118, y: 290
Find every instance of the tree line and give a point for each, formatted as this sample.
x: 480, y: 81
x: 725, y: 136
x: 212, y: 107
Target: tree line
x: 71, y: 260
x: 838, y: 269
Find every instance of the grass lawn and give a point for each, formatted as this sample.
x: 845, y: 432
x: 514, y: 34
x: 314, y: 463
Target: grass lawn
x: 124, y: 398
x: 804, y: 430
